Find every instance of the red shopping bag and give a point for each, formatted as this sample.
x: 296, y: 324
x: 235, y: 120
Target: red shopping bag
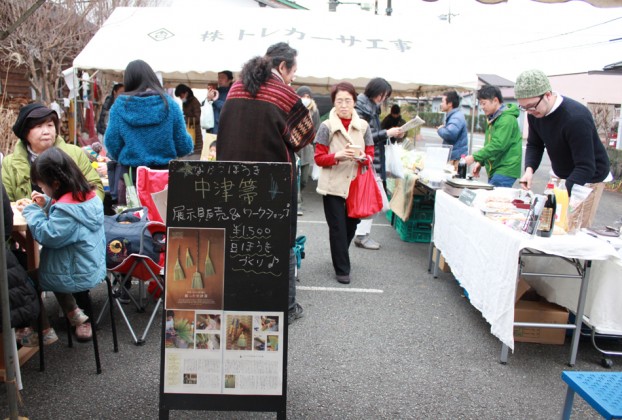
x: 364, y: 199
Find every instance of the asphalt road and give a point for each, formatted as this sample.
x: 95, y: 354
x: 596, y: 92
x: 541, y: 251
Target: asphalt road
x: 394, y: 344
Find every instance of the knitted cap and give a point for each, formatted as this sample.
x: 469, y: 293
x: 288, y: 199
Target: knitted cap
x: 531, y: 83
x: 32, y: 111
x: 304, y: 90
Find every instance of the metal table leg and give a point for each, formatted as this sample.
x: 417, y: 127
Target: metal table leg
x: 576, y: 334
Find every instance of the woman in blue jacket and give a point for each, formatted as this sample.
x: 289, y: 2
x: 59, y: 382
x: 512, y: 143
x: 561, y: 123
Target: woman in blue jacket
x: 146, y: 126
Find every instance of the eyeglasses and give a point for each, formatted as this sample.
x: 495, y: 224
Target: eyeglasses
x: 531, y: 108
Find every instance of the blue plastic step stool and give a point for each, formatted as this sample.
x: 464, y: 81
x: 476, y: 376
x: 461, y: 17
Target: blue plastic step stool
x: 601, y: 390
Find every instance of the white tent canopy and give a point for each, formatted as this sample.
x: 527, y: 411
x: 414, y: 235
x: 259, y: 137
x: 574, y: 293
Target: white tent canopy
x: 190, y: 46
x: 418, y: 54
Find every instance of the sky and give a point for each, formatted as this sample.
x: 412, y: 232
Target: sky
x: 501, y: 39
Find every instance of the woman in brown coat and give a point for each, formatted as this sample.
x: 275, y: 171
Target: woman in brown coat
x: 192, y: 114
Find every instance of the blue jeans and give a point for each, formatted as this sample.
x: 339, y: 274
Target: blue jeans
x: 501, y: 181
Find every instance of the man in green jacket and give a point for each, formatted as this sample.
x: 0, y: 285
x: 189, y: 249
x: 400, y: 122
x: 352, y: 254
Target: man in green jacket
x: 502, y: 152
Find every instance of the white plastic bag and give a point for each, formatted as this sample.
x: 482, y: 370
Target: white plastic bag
x: 315, y: 172
x: 207, y: 115
x: 393, y: 160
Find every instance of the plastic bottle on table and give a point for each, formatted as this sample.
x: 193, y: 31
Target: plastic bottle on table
x: 561, y: 197
x: 462, y: 167
x: 547, y: 217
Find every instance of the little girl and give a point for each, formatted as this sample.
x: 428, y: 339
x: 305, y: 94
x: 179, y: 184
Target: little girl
x: 68, y: 222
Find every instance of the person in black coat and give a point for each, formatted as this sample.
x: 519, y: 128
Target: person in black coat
x: 22, y: 294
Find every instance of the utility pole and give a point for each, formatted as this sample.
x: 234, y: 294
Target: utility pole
x: 332, y: 5
x: 389, y: 8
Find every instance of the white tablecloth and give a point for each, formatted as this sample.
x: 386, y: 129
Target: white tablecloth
x: 483, y: 255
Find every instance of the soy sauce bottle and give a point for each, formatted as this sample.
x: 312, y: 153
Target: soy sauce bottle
x: 547, y: 218
x: 462, y: 167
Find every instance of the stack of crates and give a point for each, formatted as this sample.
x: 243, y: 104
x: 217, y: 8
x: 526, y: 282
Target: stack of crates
x: 418, y: 227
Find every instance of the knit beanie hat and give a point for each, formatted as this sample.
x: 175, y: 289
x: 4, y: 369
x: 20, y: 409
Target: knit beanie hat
x: 304, y: 90
x: 30, y: 112
x: 531, y: 83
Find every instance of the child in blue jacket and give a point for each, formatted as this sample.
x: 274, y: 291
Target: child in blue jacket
x: 68, y: 222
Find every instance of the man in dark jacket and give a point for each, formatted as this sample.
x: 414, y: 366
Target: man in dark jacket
x: 454, y: 130
x: 219, y: 96
x: 566, y: 129
x: 368, y: 108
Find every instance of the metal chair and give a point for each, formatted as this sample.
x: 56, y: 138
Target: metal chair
x: 88, y: 310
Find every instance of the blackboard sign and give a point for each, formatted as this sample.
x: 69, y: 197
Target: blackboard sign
x: 224, y: 341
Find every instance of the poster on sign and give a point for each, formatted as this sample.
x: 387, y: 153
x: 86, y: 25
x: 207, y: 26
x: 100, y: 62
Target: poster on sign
x: 227, y: 265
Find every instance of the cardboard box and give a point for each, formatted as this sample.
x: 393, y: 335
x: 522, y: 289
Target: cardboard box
x: 522, y: 287
x: 539, y: 311
x: 442, y: 264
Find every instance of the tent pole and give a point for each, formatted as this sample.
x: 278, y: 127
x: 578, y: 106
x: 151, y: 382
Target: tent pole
x: 7, y: 337
x: 76, y: 92
x: 474, y: 115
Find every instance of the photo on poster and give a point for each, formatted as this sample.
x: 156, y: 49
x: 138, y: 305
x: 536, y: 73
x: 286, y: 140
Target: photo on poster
x: 239, y: 332
x: 179, y: 329
x: 206, y: 341
x: 195, y: 268
x: 259, y: 344
x: 273, y: 343
x: 207, y: 321
x: 266, y: 323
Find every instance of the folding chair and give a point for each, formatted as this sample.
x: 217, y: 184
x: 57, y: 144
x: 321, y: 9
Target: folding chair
x: 149, y: 181
x: 139, y: 266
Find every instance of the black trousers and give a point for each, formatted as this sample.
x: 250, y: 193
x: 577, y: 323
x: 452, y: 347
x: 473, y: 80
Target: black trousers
x: 341, y: 230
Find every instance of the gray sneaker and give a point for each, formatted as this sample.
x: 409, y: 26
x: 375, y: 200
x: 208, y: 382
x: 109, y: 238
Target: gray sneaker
x: 295, y: 313
x: 366, y: 242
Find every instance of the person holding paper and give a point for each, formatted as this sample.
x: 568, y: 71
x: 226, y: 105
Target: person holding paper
x: 343, y: 143
x: 566, y: 129
x: 367, y: 107
x: 393, y: 119
x: 454, y: 130
x: 503, y: 146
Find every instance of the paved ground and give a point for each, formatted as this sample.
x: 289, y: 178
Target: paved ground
x: 402, y: 346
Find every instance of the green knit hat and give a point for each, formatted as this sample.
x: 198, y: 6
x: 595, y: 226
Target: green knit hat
x: 531, y: 83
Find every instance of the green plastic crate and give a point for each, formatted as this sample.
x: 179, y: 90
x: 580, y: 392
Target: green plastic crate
x: 413, y: 230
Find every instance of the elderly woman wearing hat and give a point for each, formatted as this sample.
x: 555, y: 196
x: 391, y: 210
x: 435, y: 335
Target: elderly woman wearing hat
x: 37, y: 128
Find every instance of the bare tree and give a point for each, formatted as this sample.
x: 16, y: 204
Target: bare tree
x: 603, y: 119
x: 51, y: 37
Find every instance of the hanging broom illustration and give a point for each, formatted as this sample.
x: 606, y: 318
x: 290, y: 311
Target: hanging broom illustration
x: 209, y: 267
x: 178, y: 271
x: 197, y: 280
x: 189, y: 262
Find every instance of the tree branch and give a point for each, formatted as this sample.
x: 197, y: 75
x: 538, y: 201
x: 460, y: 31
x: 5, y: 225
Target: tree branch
x: 22, y: 18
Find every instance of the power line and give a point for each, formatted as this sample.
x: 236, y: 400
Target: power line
x: 565, y: 33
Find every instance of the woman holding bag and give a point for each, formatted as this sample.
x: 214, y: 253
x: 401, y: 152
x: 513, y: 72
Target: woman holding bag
x: 343, y: 144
